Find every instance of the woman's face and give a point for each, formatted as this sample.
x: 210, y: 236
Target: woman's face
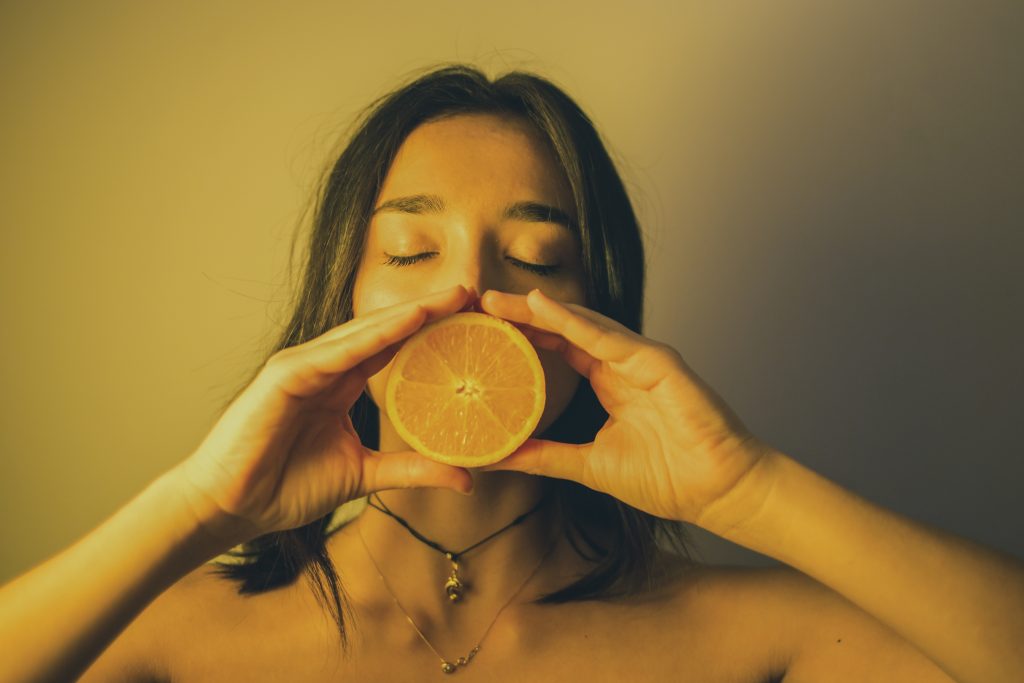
x: 467, y: 193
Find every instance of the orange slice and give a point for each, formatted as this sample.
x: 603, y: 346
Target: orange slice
x: 466, y: 390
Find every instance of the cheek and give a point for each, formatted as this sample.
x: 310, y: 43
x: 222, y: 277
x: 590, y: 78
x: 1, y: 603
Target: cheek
x: 561, y: 382
x: 376, y: 386
x: 376, y: 287
x: 369, y: 298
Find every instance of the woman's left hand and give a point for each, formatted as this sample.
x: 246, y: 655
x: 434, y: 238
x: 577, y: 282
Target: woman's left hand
x: 670, y: 447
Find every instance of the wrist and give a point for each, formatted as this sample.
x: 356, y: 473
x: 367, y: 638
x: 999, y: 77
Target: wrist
x: 209, y: 527
x: 742, y: 504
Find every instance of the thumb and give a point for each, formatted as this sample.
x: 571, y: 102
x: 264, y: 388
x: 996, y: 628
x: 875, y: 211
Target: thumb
x: 546, y: 458
x: 409, y: 469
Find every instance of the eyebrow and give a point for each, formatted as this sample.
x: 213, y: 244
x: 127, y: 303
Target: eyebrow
x: 533, y: 212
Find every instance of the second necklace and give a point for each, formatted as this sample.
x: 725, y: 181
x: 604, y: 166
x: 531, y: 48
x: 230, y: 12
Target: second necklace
x: 454, y: 587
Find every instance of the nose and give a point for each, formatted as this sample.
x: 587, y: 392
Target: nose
x: 473, y: 303
x: 476, y: 273
x: 473, y: 261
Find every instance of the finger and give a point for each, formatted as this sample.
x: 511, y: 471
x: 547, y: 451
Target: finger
x: 586, y: 329
x: 579, y: 360
x: 547, y: 458
x: 350, y: 385
x: 340, y: 397
x: 437, y: 304
x: 516, y: 307
x: 302, y: 371
x: 599, y: 336
x: 592, y: 337
x: 409, y: 469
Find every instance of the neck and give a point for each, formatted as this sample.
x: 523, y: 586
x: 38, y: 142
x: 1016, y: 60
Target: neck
x: 416, y: 573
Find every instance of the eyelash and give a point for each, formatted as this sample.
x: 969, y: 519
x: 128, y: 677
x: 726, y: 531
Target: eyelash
x: 537, y: 268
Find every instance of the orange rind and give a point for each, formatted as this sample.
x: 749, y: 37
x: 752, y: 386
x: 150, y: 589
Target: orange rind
x: 466, y: 390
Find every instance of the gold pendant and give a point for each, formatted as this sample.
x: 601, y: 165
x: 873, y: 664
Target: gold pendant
x: 453, y: 586
x: 450, y: 668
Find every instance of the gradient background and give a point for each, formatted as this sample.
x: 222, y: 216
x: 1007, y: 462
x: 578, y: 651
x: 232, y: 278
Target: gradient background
x: 831, y: 194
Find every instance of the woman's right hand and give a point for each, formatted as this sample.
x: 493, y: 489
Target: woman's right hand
x: 285, y: 453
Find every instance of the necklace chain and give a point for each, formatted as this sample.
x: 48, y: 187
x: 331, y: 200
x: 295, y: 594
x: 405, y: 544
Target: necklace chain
x: 446, y: 666
x: 454, y: 587
x: 436, y: 546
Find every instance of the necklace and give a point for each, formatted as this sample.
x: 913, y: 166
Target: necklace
x: 454, y: 587
x: 446, y: 666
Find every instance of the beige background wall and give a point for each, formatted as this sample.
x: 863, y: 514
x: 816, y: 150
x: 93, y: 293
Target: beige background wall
x: 831, y: 193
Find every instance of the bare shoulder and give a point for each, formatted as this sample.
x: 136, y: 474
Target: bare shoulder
x: 736, y: 617
x: 819, y: 633
x: 145, y: 649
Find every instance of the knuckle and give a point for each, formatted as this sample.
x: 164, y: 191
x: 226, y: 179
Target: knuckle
x: 278, y: 359
x: 663, y: 350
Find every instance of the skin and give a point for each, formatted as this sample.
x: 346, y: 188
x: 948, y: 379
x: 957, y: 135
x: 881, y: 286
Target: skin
x: 690, y: 459
x: 849, y: 611
x: 478, y: 164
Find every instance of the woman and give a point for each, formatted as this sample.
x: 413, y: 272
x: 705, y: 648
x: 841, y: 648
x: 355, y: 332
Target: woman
x: 551, y: 567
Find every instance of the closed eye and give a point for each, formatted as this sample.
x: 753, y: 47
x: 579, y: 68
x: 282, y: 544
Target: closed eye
x: 539, y: 269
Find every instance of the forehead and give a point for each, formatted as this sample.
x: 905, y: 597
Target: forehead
x: 475, y: 159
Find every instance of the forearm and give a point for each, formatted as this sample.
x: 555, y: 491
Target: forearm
x: 56, y: 619
x: 959, y: 602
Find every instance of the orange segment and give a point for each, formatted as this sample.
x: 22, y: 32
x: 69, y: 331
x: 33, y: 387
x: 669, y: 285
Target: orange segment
x: 466, y: 390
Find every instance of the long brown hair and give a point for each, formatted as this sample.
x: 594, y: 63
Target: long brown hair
x: 613, y: 264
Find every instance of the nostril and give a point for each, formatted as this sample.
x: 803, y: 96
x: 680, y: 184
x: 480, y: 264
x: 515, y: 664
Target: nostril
x: 473, y: 305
